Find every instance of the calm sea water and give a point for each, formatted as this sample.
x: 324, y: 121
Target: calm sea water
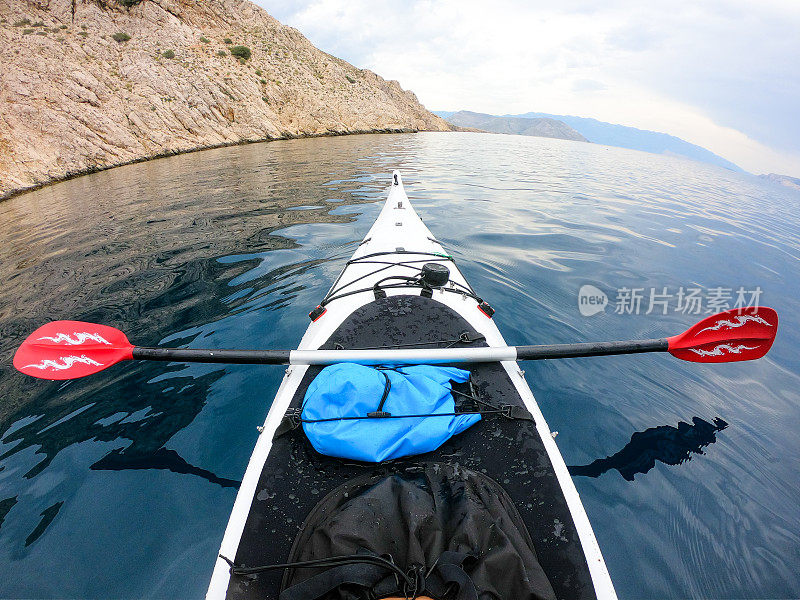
x: 120, y: 485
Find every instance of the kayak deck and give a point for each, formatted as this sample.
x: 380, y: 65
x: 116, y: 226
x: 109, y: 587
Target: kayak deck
x: 286, y: 478
x: 509, y: 451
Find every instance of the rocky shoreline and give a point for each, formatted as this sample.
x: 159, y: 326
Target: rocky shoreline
x: 88, y: 85
x: 89, y: 170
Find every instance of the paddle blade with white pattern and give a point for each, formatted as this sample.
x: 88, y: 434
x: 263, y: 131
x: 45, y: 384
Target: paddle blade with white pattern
x: 730, y: 336
x: 69, y: 349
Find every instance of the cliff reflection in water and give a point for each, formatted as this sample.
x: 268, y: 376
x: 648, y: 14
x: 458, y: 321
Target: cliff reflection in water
x: 666, y: 444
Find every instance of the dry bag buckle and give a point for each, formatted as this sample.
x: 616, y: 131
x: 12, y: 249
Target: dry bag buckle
x: 291, y: 420
x: 379, y: 414
x: 509, y: 411
x: 516, y: 413
x: 293, y: 415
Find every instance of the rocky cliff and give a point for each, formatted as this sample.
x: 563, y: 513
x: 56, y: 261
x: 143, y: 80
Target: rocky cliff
x: 91, y: 84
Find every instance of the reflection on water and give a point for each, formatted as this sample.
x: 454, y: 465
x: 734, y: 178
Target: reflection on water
x: 162, y: 458
x: 666, y: 444
x: 48, y: 514
x: 138, y: 411
x: 121, y: 484
x: 5, y: 506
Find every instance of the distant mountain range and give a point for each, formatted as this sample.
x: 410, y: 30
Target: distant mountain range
x: 597, y: 132
x: 790, y: 182
x: 540, y: 127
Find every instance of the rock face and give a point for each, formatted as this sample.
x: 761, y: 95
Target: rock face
x: 515, y: 125
x: 91, y: 84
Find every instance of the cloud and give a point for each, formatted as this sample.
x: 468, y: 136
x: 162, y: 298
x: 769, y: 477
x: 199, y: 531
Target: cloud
x: 588, y: 85
x: 719, y: 74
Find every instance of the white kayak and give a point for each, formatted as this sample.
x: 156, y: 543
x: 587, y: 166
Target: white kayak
x: 378, y: 301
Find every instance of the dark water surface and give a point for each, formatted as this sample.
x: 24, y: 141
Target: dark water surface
x: 120, y: 485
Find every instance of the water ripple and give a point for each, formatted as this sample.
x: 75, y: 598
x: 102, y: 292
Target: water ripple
x: 232, y: 247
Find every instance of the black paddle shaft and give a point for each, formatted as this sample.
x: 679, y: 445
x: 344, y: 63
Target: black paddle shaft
x: 240, y: 357
x: 591, y: 349
x: 281, y: 357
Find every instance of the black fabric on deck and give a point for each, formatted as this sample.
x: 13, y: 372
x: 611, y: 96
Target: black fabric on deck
x: 456, y: 527
x: 295, y: 477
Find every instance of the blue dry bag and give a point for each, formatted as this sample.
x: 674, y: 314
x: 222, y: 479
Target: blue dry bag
x: 351, y: 390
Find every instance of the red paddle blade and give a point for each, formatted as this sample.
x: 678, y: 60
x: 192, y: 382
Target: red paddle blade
x: 733, y: 335
x: 71, y: 349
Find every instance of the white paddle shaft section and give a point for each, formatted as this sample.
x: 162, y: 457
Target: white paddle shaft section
x: 411, y: 356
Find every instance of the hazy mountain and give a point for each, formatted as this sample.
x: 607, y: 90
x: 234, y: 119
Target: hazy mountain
x: 609, y: 134
x: 541, y: 127
x: 791, y: 182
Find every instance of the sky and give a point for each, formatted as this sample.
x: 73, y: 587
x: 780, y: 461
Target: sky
x: 721, y: 74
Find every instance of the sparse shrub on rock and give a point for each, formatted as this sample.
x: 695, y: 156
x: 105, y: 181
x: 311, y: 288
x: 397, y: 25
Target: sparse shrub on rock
x: 120, y: 37
x: 241, y: 51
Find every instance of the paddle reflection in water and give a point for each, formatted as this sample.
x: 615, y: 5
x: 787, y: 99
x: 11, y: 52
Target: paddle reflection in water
x: 163, y: 458
x: 667, y: 444
x: 142, y: 413
x: 5, y: 506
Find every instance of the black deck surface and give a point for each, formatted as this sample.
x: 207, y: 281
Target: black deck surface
x: 296, y: 477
